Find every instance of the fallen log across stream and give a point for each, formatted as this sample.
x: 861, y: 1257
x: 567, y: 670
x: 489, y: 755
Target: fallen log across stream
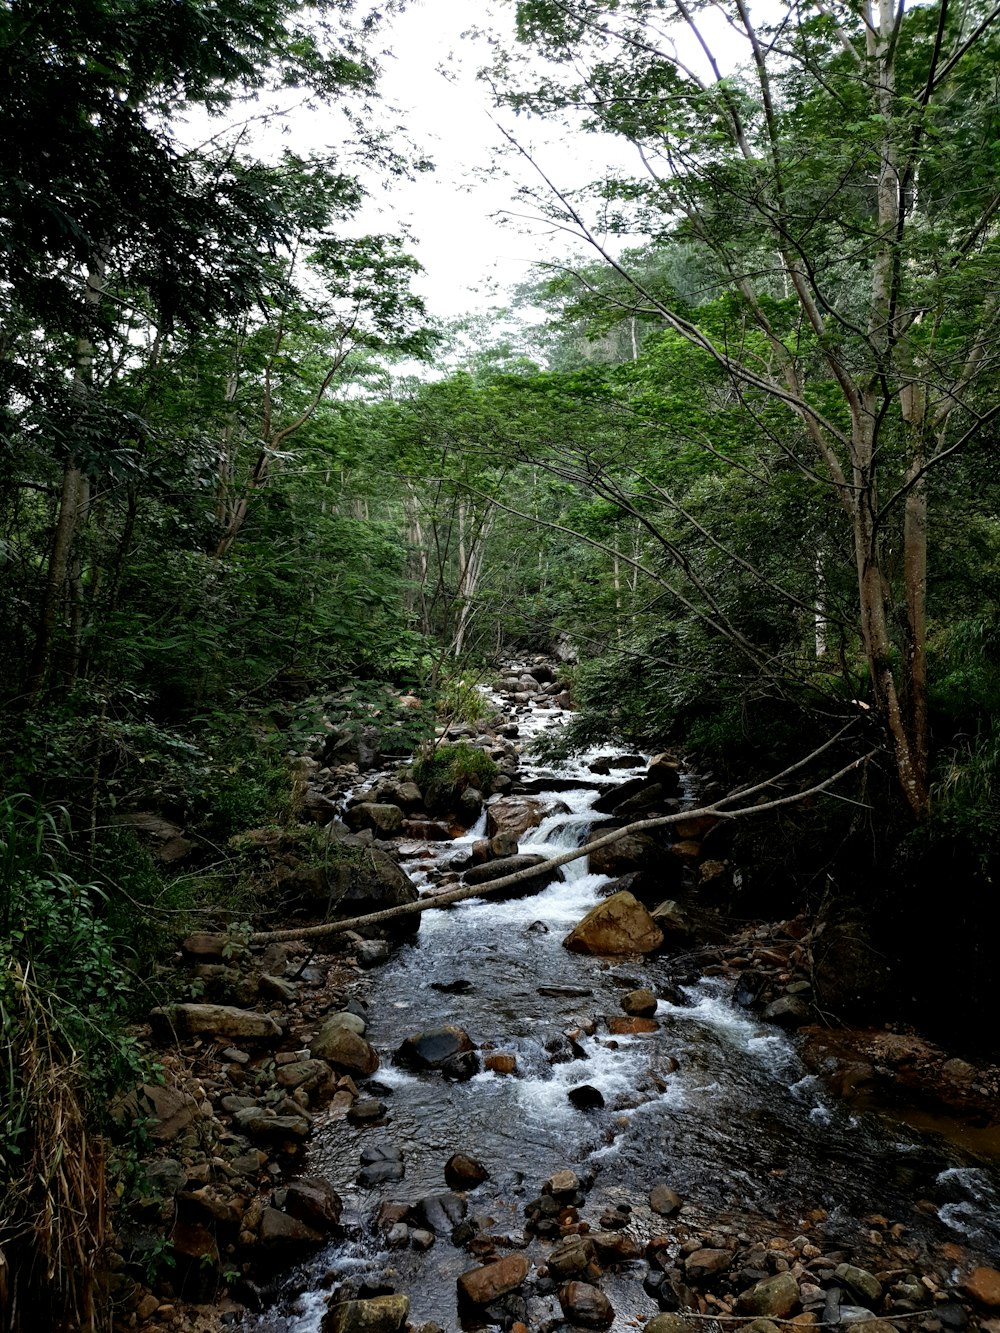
x: 716, y: 808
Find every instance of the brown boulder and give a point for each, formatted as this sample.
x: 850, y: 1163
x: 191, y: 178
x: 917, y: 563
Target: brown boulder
x: 378, y: 1314
x: 213, y: 1020
x: 481, y: 1286
x: 618, y: 925
x: 514, y: 814
x: 983, y: 1286
x: 339, y: 1046
x: 586, y: 1306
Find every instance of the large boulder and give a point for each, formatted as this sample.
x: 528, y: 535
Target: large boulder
x: 434, y: 1047
x: 213, y: 1020
x: 364, y: 880
x: 773, y: 1298
x: 586, y: 1306
x: 510, y: 865
x: 514, y: 814
x: 382, y: 819
x: 634, y: 852
x: 378, y: 1314
x: 617, y: 925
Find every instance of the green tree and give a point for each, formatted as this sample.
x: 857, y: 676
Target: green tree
x: 840, y: 187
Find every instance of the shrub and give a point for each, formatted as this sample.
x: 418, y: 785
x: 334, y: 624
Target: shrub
x: 443, y: 773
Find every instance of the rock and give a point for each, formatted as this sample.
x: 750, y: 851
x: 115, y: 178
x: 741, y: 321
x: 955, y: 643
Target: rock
x: 675, y: 1323
x: 212, y: 1020
x: 652, y: 799
x: 165, y: 1176
x: 462, y: 1172
x: 216, y: 1207
x: 705, y: 1264
x: 168, y: 1111
x: 640, y: 1003
x: 378, y: 1314
x: 366, y: 1110
x: 280, y: 1232
x: 673, y: 921
x: 313, y: 1200
x: 773, y: 1298
x: 632, y: 1027
x: 502, y: 845
x: 500, y: 1062
x: 633, y: 852
x: 586, y: 1305
x: 666, y: 770
x: 511, y: 865
x: 442, y: 1212
x: 371, y: 882
x: 255, y: 1122
x: 482, y: 1286
x: 304, y: 1074
x: 514, y: 814
x: 572, y: 1257
x: 460, y: 1068
x: 346, y: 1019
x: 860, y: 1284
x: 618, y: 925
x: 383, y: 819
x: 585, y: 1097
x: 341, y: 1047
x: 205, y: 946
x: 788, y: 1011
x: 195, y: 1241
x: 664, y: 1200
x: 982, y: 1286
x: 562, y: 1184
x: 432, y: 1048
x: 380, y: 1173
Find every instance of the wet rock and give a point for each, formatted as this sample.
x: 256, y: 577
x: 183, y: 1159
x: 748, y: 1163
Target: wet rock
x: 632, y: 1027
x: 665, y: 769
x: 773, y: 1298
x: 378, y: 1314
x: 165, y: 1177
x: 653, y: 799
x: 481, y: 1286
x: 664, y: 1200
x: 640, y: 1003
x: 586, y: 1097
x: 278, y: 1232
x: 614, y: 1247
x: 216, y: 1206
x: 586, y: 1305
x: 705, y: 1264
x: 461, y: 986
x: 421, y: 1239
x: 514, y: 814
x: 313, y: 1200
x: 674, y: 922
x: 502, y: 845
x: 431, y: 1048
x: 441, y: 1212
x: 562, y: 1184
x: 570, y: 992
x: 345, y: 1018
x: 380, y: 1173
x: 572, y: 1257
x: 618, y: 925
x: 501, y: 1062
x: 460, y: 1068
x: 341, y: 1047
x: 212, y: 1020
x: 622, y: 791
x: 511, y: 865
x: 982, y: 1285
x: 863, y: 1286
x: 462, y: 1172
x: 366, y: 1110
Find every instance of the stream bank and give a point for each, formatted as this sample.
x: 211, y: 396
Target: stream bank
x: 709, y: 1160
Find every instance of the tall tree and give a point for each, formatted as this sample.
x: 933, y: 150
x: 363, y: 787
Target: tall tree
x: 841, y: 185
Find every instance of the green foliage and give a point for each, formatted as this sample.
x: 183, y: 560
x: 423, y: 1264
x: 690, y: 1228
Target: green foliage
x: 442, y: 773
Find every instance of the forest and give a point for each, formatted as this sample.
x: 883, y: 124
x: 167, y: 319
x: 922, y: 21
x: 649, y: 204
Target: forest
x: 729, y: 454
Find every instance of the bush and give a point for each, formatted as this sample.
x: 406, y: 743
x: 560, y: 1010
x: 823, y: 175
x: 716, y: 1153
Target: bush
x: 444, y: 773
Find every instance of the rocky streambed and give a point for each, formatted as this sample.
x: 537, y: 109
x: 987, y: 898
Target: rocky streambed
x: 474, y: 1125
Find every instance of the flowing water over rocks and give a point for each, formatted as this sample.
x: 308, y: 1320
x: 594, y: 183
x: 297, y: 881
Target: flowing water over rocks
x: 755, y: 1170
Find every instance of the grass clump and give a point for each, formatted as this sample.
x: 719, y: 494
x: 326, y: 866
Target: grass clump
x: 444, y: 773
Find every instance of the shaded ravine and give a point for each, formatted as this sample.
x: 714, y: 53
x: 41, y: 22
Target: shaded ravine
x: 714, y: 1102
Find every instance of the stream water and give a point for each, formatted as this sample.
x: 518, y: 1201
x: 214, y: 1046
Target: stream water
x: 714, y: 1103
